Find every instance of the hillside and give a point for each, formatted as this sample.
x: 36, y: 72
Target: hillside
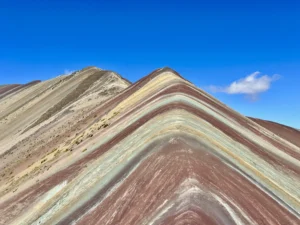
x: 289, y: 133
x: 91, y: 148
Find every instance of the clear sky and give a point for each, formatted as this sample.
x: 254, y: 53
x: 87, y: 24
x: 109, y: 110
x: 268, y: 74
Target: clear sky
x: 212, y: 44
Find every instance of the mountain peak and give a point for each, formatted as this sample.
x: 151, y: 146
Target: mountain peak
x: 95, y: 149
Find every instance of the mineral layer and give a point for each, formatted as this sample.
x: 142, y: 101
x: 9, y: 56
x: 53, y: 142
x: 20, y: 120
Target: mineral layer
x: 91, y: 148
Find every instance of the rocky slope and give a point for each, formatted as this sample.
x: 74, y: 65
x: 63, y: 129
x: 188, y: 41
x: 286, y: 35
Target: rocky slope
x: 9, y: 89
x: 289, y: 133
x: 84, y: 149
x: 43, y: 119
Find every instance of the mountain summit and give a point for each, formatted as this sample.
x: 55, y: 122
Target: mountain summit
x: 92, y: 148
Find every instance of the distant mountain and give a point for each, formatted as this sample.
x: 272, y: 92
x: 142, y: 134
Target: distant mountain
x: 92, y: 148
x: 9, y: 89
x: 289, y: 133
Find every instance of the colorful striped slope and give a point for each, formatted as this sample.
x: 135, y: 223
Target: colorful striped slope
x: 160, y: 152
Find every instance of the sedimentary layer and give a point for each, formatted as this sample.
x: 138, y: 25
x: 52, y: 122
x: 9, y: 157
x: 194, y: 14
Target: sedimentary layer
x: 161, y: 151
x: 289, y: 133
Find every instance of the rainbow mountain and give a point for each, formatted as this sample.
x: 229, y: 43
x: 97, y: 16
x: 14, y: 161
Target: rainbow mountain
x: 92, y: 148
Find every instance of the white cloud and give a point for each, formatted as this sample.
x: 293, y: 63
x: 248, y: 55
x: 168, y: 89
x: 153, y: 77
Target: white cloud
x: 250, y: 86
x: 68, y: 72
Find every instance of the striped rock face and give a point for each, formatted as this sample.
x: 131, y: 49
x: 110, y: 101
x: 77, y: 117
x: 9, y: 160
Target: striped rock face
x: 9, y: 89
x: 160, y: 152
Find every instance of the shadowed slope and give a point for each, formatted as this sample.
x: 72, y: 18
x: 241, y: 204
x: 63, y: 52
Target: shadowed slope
x: 162, y: 152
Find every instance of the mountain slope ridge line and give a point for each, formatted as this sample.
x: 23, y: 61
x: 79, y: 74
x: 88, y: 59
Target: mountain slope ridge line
x: 159, y: 151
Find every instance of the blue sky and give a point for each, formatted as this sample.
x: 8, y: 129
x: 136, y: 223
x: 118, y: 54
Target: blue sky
x: 209, y: 43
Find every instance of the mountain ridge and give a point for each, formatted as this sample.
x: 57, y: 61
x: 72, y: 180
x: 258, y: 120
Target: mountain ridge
x: 10, y: 86
x: 160, y: 147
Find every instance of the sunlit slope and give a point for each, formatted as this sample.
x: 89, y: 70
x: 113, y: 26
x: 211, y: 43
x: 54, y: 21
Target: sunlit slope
x: 27, y: 135
x: 286, y: 132
x: 160, y: 152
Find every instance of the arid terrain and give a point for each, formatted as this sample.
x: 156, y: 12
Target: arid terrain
x: 92, y: 148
